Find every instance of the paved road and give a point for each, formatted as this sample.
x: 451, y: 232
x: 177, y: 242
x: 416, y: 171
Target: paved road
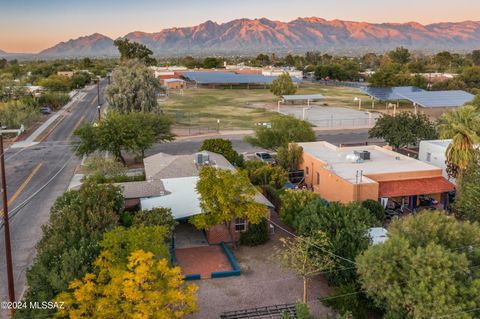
x: 30, y: 169
x: 191, y: 145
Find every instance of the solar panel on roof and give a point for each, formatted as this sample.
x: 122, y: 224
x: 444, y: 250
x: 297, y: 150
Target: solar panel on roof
x: 390, y: 94
x: 435, y: 99
x: 230, y: 78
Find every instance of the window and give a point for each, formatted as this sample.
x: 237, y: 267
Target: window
x: 429, y: 157
x: 306, y: 170
x: 318, y: 178
x: 240, y: 225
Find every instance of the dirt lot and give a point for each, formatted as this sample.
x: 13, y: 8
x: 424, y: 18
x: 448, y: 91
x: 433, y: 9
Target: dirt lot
x: 262, y: 283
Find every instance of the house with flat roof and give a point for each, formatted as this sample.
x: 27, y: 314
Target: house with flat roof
x: 170, y: 182
x: 348, y: 174
x: 433, y: 152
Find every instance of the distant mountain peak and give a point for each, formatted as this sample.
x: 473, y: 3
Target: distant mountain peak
x: 251, y: 36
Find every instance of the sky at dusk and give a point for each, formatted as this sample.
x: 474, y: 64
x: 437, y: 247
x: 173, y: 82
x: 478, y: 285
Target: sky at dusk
x: 33, y: 25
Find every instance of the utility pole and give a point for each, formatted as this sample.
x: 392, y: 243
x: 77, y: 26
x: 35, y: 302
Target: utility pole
x: 98, y: 92
x: 6, y: 226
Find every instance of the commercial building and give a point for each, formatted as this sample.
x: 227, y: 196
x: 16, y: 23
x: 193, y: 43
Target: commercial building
x: 170, y: 182
x: 174, y: 84
x: 348, y: 174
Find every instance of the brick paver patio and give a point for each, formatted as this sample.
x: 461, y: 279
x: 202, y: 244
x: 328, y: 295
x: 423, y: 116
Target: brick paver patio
x: 202, y: 260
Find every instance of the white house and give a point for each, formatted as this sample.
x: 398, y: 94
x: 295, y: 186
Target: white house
x: 433, y: 152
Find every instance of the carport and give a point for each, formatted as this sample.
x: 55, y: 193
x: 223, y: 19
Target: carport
x: 300, y: 97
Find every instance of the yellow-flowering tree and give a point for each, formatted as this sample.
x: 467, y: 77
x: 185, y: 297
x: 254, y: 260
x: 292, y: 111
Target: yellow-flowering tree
x: 146, y: 288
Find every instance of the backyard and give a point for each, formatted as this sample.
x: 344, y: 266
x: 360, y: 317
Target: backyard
x: 261, y: 283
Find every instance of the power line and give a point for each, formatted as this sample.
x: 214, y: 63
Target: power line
x: 312, y: 244
x: 15, y: 210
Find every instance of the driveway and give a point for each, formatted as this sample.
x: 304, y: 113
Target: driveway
x: 262, y: 283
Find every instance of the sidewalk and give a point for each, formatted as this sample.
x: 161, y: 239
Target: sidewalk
x: 30, y: 141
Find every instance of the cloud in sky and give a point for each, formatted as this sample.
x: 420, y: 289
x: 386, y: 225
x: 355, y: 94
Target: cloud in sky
x: 32, y: 25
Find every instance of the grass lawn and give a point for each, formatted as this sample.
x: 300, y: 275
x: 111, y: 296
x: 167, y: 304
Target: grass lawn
x: 242, y: 108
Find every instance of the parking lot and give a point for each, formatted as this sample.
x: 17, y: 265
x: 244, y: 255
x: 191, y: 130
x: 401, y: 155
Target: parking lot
x: 332, y: 117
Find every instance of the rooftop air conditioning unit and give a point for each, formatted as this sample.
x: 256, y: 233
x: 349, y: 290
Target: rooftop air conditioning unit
x: 202, y: 158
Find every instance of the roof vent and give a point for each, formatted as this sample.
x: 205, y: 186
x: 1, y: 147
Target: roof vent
x: 202, y: 159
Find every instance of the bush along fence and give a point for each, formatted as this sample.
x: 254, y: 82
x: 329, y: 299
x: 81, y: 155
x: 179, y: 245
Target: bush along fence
x: 233, y: 262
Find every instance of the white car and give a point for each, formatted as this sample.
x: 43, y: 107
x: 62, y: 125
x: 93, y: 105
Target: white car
x: 265, y: 157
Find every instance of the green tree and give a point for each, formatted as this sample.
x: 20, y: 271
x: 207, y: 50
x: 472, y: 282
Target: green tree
x: 476, y: 57
x: 283, y: 130
x: 424, y: 269
x: 307, y: 256
x: 283, y: 85
x: 145, y: 288
x: 376, y: 209
x: 290, y: 157
x: 224, y: 196
x: 70, y: 241
x: 262, y: 60
x: 293, y: 203
x: 403, y: 129
x: 156, y: 217
x: 118, y: 244
x: 390, y: 74
x: 80, y: 79
x: 134, y: 88
x: 463, y: 127
x: 212, y: 63
x: 400, y: 55
x: 263, y: 174
x: 346, y: 226
x: 117, y: 132
x: 467, y: 199
x: 56, y: 83
x: 221, y: 146
x: 471, y: 76
x: 134, y: 51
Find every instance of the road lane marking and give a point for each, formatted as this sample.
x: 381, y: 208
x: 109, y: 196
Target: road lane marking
x: 75, y: 127
x: 55, y: 125
x: 22, y: 186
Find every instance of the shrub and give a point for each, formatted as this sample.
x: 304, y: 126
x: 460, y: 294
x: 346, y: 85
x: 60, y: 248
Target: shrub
x: 155, y: 217
x: 54, y: 100
x: 255, y: 235
x: 376, y: 209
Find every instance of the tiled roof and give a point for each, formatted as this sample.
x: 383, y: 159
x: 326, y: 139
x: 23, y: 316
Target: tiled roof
x: 412, y: 187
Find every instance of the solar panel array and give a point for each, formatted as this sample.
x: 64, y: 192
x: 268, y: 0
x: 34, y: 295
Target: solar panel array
x: 229, y: 78
x: 434, y: 99
x: 428, y: 99
x: 390, y: 94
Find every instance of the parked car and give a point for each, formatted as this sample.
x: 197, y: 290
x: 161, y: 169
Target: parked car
x: 45, y: 110
x: 265, y: 157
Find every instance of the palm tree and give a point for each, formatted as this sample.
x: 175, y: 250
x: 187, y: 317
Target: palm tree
x: 463, y: 127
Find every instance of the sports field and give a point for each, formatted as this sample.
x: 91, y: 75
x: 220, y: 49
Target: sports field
x: 242, y: 108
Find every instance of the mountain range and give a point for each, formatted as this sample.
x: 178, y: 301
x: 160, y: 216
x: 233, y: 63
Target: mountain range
x: 247, y: 36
